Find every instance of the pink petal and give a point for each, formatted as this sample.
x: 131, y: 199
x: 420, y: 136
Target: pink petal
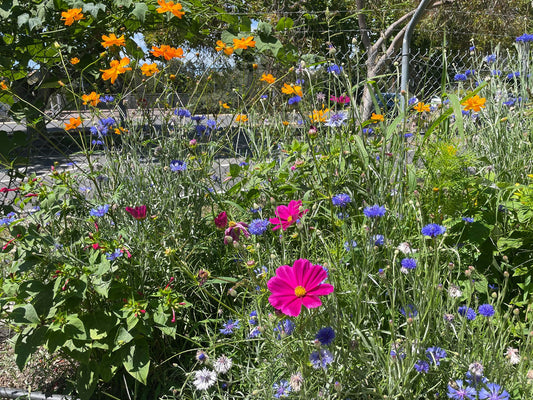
x: 321, y: 290
x: 315, y: 275
x: 294, y: 206
x: 300, y: 271
x: 280, y: 286
x: 311, y: 301
x: 283, y: 212
x: 286, y: 273
x: 280, y: 302
x: 293, y: 307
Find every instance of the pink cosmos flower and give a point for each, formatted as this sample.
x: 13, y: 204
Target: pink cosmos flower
x: 234, y: 230
x: 139, y: 212
x: 287, y: 215
x: 298, y: 285
x: 340, y: 99
x: 221, y: 221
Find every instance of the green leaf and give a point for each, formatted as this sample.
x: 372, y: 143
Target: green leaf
x: 35, y: 22
x: 23, y: 19
x: 458, y: 112
x: 74, y: 328
x: 265, y: 44
x: 25, y: 314
x: 86, y: 380
x: 137, y: 361
x: 139, y: 11
x: 93, y: 9
x: 27, y: 342
x: 123, y: 337
x: 284, y: 23
x: 264, y: 28
x: 234, y: 170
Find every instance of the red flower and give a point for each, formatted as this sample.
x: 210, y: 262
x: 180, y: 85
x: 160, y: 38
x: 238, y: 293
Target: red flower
x: 139, y: 212
x: 5, y: 190
x: 221, y: 221
x: 298, y: 285
x: 287, y: 215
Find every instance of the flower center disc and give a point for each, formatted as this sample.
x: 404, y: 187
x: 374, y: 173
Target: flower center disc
x: 299, y: 291
x: 289, y: 219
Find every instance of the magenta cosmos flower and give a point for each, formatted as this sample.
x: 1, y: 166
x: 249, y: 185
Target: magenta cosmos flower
x: 298, y: 285
x: 287, y: 215
x: 234, y: 230
x: 139, y: 212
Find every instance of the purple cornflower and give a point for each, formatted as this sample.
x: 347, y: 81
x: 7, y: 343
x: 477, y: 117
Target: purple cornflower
x: 107, y: 99
x: 281, y: 389
x: 461, y: 393
x: 422, y: 366
x: 321, y: 358
x: 435, y: 354
x: 337, y: 119
x: 99, y: 211
x: 325, y: 335
x: 467, y: 312
x: 258, y: 226
x: 341, y: 200
x: 433, y: 230
x: 178, y: 165
x: 229, y: 327
x: 493, y: 392
x: 374, y: 211
x: 486, y: 310
x: 350, y: 245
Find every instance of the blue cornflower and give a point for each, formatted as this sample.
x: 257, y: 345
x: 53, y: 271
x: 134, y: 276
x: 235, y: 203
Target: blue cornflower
x: 198, y: 118
x: 107, y: 121
x: 435, y: 354
x: 325, y: 335
x: 337, y: 119
x: 509, y: 103
x: 255, y: 210
x: 512, y: 75
x: 493, y: 286
x: 412, y: 101
x: 261, y: 273
x: 471, y: 49
x: 490, y: 58
x: 526, y: 37
x: 200, y: 129
x: 411, y: 312
x: 374, y: 211
x: 182, y: 112
x: 229, y: 327
x: 243, y: 164
x: 368, y: 131
x: 254, y: 332
x: 341, y: 200
x: 285, y: 328
x: 99, y: 211
x: 97, y: 142
x: 378, y: 240
x: 496, y: 72
x: 113, y: 256
x: 258, y: 226
x: 8, y: 219
x: 460, y: 77
x: 335, y: 69
x: 486, y: 310
x: 294, y: 100
x: 281, y: 389
x: 350, y: 245
x: 467, y: 312
x: 408, y: 263
x: 253, y: 318
x: 107, y: 99
x: 178, y: 166
x: 469, y: 72
x: 211, y: 124
x: 493, y: 393
x: 422, y: 366
x: 321, y: 358
x: 433, y: 230
x: 300, y: 81
x: 468, y: 219
x: 461, y: 393
x: 264, y: 96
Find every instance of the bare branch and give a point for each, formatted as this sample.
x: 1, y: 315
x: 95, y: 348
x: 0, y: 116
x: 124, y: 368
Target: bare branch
x: 363, y: 27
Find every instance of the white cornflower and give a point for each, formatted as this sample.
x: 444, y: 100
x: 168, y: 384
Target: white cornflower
x: 454, y: 291
x: 406, y: 248
x: 296, y: 381
x: 204, y: 379
x: 512, y: 355
x: 223, y: 364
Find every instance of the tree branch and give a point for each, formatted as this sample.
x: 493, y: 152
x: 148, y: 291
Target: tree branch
x: 363, y: 27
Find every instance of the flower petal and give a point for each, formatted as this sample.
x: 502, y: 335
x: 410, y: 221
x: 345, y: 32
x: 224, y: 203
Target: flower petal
x: 311, y: 301
x: 321, y: 290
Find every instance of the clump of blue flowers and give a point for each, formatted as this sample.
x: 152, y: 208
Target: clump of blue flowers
x: 433, y: 230
x: 374, y: 211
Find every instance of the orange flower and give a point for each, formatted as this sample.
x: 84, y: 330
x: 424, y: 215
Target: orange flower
x: 120, y: 130
x: 3, y: 85
x: 268, y: 78
x: 117, y: 68
x: 244, y: 43
x: 167, y: 52
x: 319, y: 115
x: 223, y: 105
x: 377, y: 117
x: 475, y: 103
x: 112, y: 40
x: 149, y: 69
x: 292, y: 89
x: 73, y: 124
x: 92, y: 98
x: 170, y: 7
x: 74, y: 14
x: 241, y: 118
x: 421, y: 107
x: 285, y: 123
x: 228, y: 50
x: 74, y: 60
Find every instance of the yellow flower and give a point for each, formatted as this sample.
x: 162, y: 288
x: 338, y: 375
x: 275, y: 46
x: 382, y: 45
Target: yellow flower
x: 244, y: 43
x: 421, y: 107
x: 254, y: 66
x: 292, y: 89
x: 223, y: 105
x: 319, y: 115
x: 73, y: 123
x: 285, y: 123
x: 167, y: 52
x: 74, y: 60
x: 170, y: 7
x: 149, y: 69
x: 241, y: 118
x: 377, y: 117
x: 92, y: 98
x: 117, y: 68
x: 112, y: 40
x: 3, y: 85
x: 475, y: 103
x: 74, y: 14
x: 228, y: 50
x: 268, y: 78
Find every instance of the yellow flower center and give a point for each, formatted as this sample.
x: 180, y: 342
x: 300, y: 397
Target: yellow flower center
x: 289, y: 219
x: 232, y: 223
x: 299, y: 291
